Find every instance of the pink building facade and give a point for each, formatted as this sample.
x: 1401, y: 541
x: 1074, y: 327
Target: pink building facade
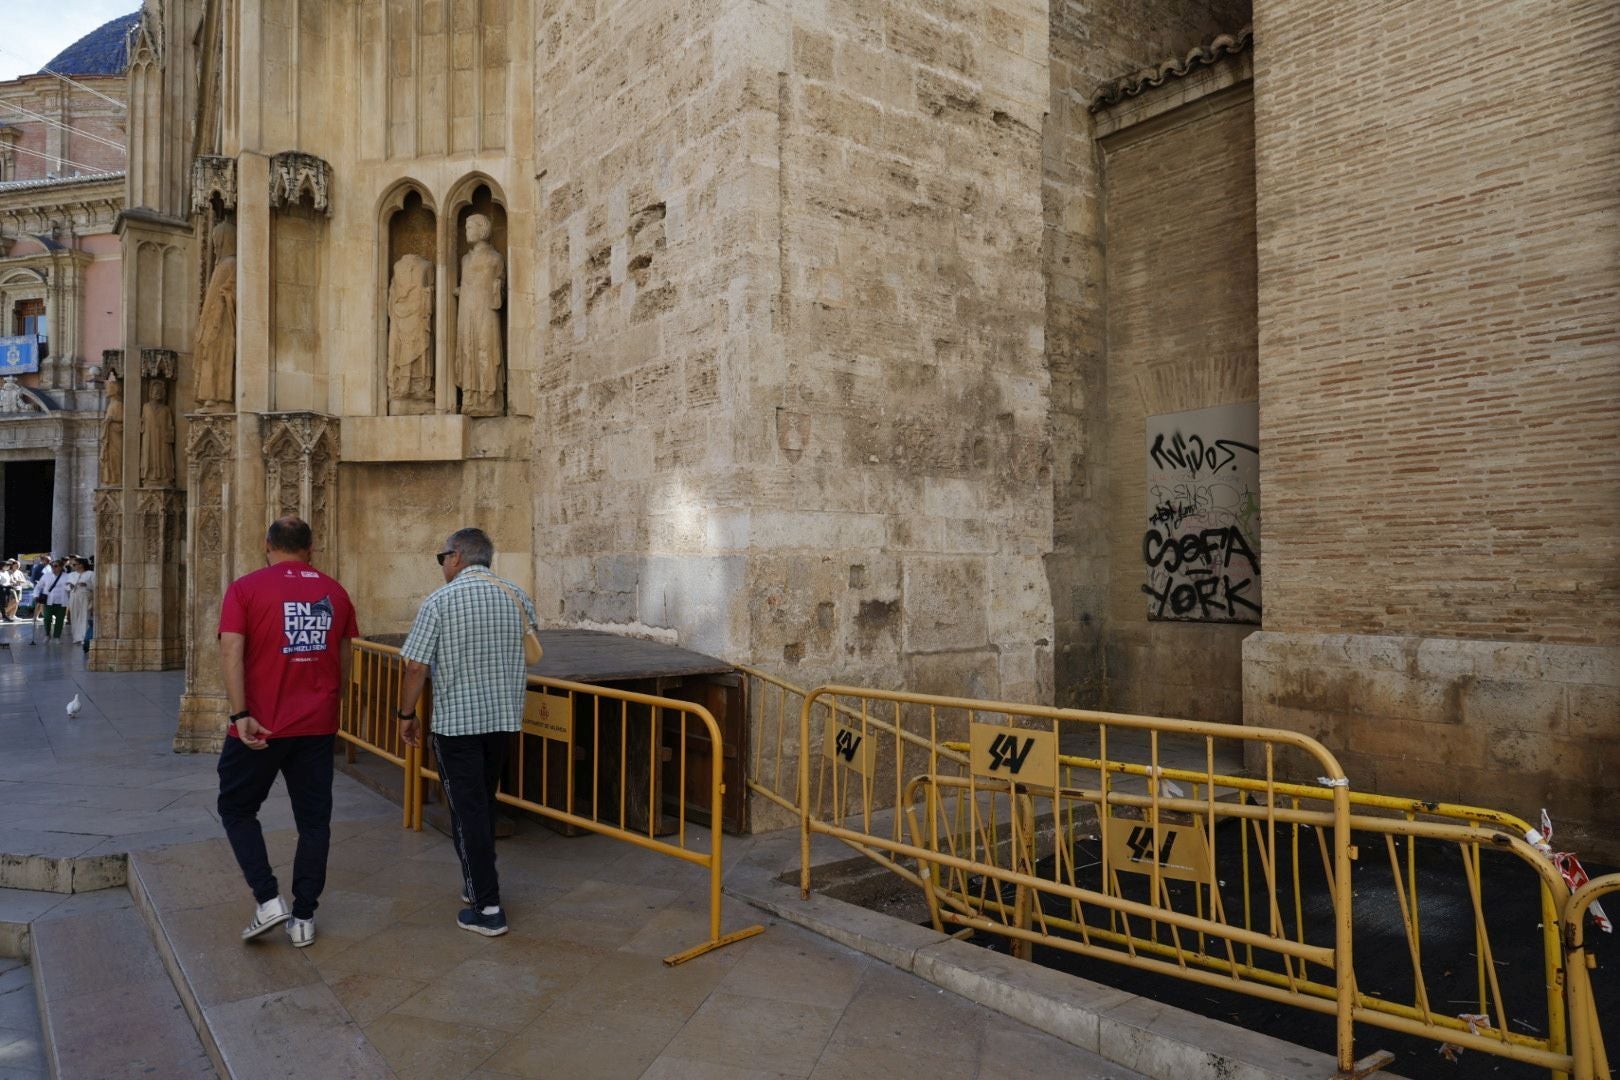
x: 62, y: 158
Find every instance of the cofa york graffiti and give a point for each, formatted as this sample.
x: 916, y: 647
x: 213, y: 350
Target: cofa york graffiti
x: 1201, y: 547
x: 306, y: 625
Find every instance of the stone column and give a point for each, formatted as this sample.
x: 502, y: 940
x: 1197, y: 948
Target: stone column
x: 62, y: 496
x: 210, y: 453
x: 109, y: 524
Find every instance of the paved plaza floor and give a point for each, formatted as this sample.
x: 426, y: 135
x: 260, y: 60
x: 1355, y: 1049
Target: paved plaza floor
x: 577, y: 989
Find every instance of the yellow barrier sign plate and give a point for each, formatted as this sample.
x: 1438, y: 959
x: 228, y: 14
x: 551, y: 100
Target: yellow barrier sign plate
x: 849, y: 747
x: 548, y: 716
x: 1016, y: 754
x: 1182, y: 852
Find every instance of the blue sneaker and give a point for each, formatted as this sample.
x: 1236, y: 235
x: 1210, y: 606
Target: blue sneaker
x: 493, y: 925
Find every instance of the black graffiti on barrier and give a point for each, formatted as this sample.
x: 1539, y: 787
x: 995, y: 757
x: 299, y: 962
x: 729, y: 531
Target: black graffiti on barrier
x: 845, y: 743
x: 1204, y: 559
x: 1191, y: 453
x: 1141, y: 844
x: 1006, y: 753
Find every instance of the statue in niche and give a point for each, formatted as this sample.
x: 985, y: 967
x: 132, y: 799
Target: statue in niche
x: 479, y: 359
x: 215, y: 354
x: 410, y: 337
x: 157, y: 437
x: 112, y: 434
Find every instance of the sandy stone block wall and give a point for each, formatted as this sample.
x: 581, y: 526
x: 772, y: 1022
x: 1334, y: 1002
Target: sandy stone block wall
x: 1090, y: 44
x: 394, y: 517
x: 658, y: 250
x: 1514, y: 727
x: 900, y: 443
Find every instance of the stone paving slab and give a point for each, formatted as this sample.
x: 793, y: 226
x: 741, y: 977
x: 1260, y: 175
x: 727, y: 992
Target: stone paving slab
x: 391, y: 986
x: 107, y: 1006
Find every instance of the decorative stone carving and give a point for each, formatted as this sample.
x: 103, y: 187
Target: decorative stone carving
x: 157, y: 436
x: 480, y: 355
x: 300, y: 470
x: 159, y: 363
x: 144, y: 45
x: 16, y: 398
x: 294, y: 175
x: 410, y: 337
x: 209, y: 452
x: 112, y: 434
x: 112, y: 363
x: 212, y: 177
x: 210, y: 456
x: 214, y: 358
x: 161, y: 512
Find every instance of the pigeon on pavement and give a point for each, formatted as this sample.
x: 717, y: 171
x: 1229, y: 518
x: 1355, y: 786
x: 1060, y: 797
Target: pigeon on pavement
x: 73, y: 707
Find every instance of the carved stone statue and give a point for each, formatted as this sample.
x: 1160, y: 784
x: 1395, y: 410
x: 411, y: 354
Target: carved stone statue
x: 215, y: 353
x: 112, y: 435
x: 157, y: 437
x: 480, y: 355
x: 410, y: 337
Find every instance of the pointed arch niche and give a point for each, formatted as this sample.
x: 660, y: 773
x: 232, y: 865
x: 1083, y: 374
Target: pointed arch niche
x: 474, y: 194
x: 408, y: 375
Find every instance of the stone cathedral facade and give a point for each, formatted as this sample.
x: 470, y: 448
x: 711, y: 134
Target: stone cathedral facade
x: 980, y: 348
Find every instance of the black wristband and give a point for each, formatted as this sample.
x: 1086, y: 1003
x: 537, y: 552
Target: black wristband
x: 235, y: 716
x: 405, y: 714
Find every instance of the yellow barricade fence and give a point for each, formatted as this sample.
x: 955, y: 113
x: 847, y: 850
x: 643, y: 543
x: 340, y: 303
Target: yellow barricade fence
x: 628, y: 746
x: 1591, y: 1062
x: 1167, y: 864
x: 369, y: 720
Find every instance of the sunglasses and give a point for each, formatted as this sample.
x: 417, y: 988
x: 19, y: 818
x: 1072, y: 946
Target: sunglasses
x: 441, y: 556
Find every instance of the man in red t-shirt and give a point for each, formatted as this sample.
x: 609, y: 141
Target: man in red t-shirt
x: 283, y: 643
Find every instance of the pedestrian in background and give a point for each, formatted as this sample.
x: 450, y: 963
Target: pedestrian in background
x: 284, y: 651
x: 470, y: 634
x: 56, y: 584
x: 12, y: 583
x: 81, y: 602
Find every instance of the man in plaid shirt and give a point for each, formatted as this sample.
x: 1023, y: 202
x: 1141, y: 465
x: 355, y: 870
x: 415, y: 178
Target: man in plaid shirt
x: 470, y: 635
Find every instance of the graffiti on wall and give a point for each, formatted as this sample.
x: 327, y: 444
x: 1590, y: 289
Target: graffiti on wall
x: 1201, y: 546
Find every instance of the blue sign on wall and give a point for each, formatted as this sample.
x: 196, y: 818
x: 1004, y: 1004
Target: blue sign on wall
x: 19, y: 355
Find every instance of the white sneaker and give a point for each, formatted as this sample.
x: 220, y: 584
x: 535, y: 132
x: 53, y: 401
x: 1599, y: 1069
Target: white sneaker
x: 301, y: 932
x: 265, y: 916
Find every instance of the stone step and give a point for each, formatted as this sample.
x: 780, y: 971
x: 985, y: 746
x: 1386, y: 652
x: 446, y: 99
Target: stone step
x: 260, y: 1008
x: 107, y: 1007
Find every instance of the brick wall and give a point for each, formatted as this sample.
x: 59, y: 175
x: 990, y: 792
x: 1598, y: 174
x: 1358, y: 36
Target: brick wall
x: 1438, y: 327
x: 91, y: 123
x: 1091, y: 43
x: 1179, y: 196
x: 1438, y: 284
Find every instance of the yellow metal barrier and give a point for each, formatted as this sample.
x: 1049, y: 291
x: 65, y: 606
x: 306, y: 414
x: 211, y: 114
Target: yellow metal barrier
x: 369, y: 719
x: 619, y: 732
x: 1591, y: 1061
x: 999, y: 800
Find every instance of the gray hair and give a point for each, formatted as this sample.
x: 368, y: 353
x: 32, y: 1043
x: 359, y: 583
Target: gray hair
x: 473, y: 545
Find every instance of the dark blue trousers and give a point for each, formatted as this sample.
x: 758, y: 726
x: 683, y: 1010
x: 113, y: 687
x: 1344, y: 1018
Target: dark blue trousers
x: 245, y: 778
x: 470, y: 767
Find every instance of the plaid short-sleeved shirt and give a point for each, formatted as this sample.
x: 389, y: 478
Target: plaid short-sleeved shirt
x: 469, y: 632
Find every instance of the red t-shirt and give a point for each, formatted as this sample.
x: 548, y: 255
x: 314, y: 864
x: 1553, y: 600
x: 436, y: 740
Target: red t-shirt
x: 296, y: 620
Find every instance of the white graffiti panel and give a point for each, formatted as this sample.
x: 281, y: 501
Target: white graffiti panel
x: 1201, y: 544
